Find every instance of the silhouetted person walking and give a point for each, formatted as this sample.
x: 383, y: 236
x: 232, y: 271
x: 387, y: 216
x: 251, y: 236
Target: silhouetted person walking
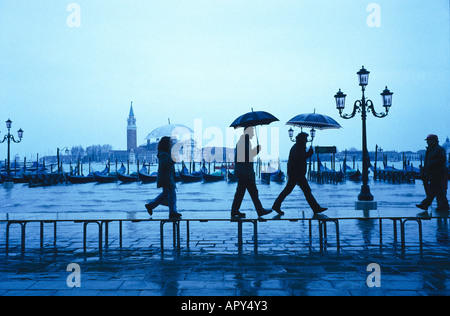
x: 243, y: 170
x: 296, y: 170
x: 165, y: 180
x: 434, y: 175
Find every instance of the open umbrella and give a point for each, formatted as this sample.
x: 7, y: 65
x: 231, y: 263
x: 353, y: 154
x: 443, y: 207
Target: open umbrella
x: 253, y: 118
x: 313, y: 121
x: 169, y: 130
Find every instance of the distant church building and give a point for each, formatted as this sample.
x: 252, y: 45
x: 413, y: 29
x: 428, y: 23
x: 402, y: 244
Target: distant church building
x: 147, y: 153
x: 131, y: 131
x: 446, y: 145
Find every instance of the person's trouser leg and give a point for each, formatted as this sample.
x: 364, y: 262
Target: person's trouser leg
x: 429, y: 195
x: 303, y: 183
x: 286, y: 191
x: 238, y: 196
x: 158, y: 200
x: 430, y: 192
x: 253, y: 191
x: 172, y: 200
x: 441, y: 196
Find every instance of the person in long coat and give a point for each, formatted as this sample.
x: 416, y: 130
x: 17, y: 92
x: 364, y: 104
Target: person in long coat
x: 243, y: 170
x: 296, y: 171
x: 165, y: 180
x: 434, y: 175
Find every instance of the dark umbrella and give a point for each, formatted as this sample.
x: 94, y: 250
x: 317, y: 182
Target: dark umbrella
x: 313, y: 120
x: 253, y: 118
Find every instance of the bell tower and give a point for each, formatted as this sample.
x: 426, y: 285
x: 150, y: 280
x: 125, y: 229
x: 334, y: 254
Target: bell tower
x: 131, y: 130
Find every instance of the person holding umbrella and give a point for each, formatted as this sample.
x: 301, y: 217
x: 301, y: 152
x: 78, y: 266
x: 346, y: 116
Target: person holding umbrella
x: 166, y: 180
x: 243, y: 161
x: 243, y: 170
x: 296, y: 170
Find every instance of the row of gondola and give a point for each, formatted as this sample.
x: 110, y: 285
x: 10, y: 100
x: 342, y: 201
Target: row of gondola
x: 41, y: 177
x: 183, y: 176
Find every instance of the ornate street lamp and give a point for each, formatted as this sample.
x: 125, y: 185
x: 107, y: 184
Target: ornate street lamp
x: 10, y: 137
x: 312, y: 134
x: 363, y: 106
x: 291, y: 134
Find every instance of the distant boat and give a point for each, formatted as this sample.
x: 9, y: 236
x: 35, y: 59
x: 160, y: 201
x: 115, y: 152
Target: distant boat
x: 19, y: 176
x: 191, y: 177
x: 29, y: 175
x: 146, y: 177
x: 213, y: 177
x: 128, y: 178
x: 277, y: 176
x: 195, y: 176
x: 77, y: 179
x: 352, y: 174
x: 47, y: 179
x: 105, y: 177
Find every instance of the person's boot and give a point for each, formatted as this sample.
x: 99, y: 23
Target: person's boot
x: 237, y: 214
x: 277, y: 209
x: 263, y: 212
x: 149, y: 208
x: 422, y: 207
x: 175, y: 215
x: 319, y: 209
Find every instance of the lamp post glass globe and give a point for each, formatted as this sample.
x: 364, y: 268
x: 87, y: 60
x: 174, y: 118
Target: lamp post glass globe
x: 363, y: 76
x: 8, y: 124
x: 387, y: 98
x: 291, y: 133
x: 340, y: 100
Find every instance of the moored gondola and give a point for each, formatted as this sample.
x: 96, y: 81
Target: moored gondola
x: 128, y: 178
x: 213, y: 177
x: 191, y: 177
x: 277, y: 176
x: 79, y: 179
x: 147, y: 178
x: 105, y: 177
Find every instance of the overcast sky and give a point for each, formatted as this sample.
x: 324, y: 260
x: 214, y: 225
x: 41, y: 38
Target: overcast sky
x: 69, y: 69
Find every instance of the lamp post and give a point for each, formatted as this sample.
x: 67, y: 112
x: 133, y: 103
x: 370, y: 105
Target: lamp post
x: 312, y: 134
x: 363, y: 106
x: 10, y: 137
x: 58, y: 158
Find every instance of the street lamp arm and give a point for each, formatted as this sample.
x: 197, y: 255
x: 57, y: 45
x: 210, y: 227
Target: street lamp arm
x: 4, y: 139
x: 356, y: 108
x: 16, y: 141
x: 371, y: 108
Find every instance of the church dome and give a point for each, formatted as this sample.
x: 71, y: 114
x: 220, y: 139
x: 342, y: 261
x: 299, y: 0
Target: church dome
x: 171, y: 130
x: 446, y: 145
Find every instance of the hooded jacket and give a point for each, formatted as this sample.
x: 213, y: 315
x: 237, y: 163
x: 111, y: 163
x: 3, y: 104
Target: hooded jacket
x: 166, y: 171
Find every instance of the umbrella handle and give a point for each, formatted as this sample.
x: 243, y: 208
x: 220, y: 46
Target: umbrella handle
x: 257, y: 141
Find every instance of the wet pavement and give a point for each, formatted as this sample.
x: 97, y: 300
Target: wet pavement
x: 286, y: 263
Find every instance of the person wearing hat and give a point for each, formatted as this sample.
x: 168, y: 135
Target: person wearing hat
x: 296, y: 171
x: 434, y: 175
